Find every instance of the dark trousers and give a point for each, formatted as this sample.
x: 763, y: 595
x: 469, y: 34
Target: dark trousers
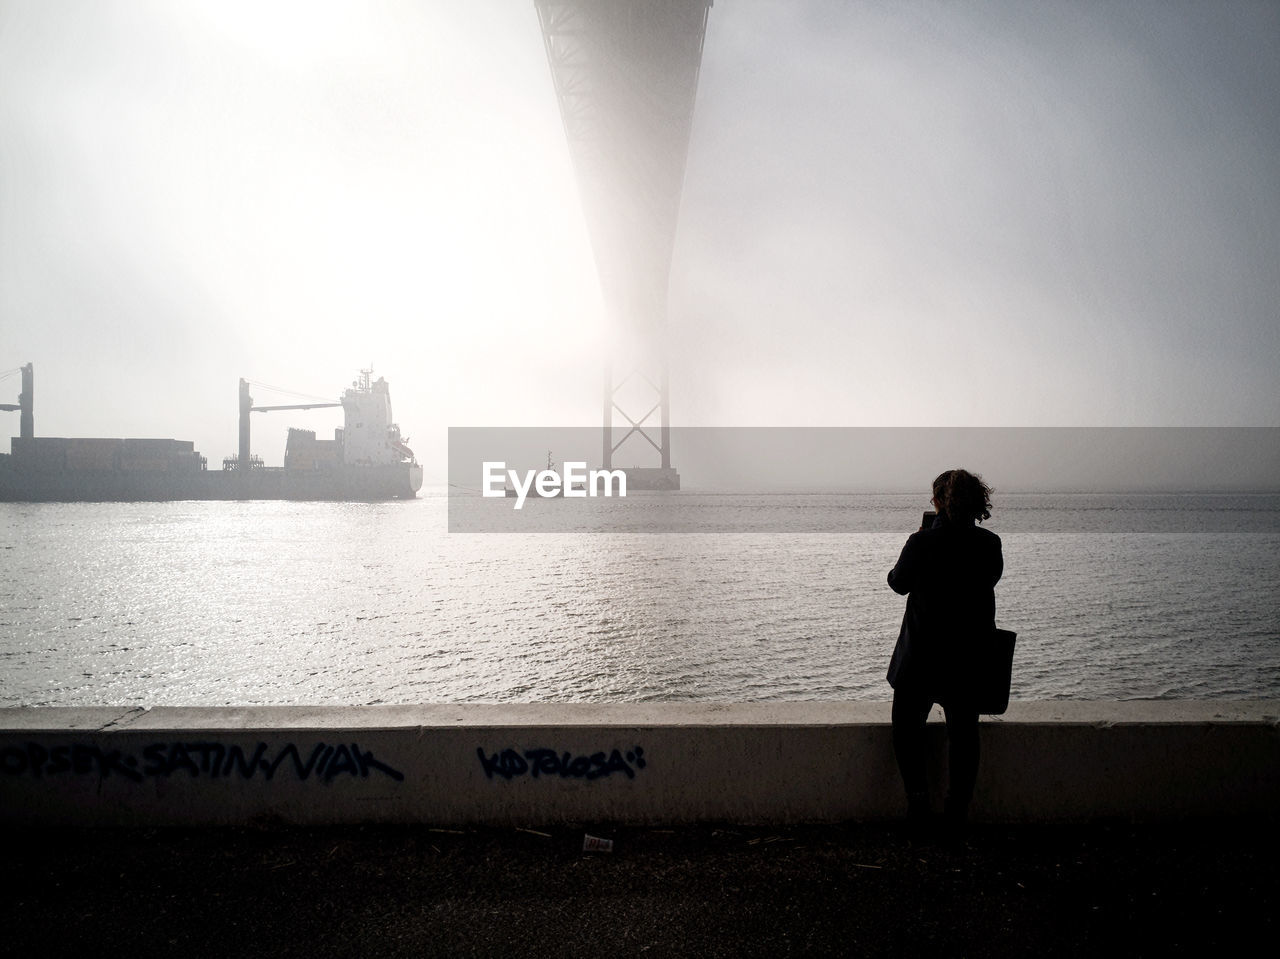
x: 910, y: 713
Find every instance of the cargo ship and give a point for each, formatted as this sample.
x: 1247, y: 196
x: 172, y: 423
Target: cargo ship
x: 367, y: 459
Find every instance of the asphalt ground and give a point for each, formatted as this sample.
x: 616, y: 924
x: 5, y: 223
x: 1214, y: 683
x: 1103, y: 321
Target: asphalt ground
x: 859, y: 890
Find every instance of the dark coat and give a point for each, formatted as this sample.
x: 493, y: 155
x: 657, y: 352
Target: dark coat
x: 948, y: 574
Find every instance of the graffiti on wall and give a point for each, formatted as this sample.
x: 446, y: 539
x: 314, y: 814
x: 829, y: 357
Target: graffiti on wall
x: 320, y: 762
x: 511, y: 763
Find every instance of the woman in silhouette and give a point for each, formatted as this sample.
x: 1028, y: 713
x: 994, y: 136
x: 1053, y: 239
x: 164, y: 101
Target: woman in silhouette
x: 948, y: 574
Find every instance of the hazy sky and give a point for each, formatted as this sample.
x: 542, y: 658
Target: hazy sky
x: 895, y: 213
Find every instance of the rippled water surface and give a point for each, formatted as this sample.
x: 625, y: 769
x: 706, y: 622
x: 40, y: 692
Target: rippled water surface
x: 272, y: 603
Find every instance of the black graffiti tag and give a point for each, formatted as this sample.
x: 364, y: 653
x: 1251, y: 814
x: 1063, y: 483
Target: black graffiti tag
x: 79, y: 759
x: 510, y: 763
x: 211, y: 760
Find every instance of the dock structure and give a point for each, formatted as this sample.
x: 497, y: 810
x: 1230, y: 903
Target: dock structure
x: 626, y: 78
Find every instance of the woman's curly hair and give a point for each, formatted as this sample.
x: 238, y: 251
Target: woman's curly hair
x: 961, y: 495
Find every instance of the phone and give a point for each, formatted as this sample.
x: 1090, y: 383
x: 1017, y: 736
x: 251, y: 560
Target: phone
x: 926, y: 521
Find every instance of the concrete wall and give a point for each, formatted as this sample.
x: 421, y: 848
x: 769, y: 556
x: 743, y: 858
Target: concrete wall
x: 664, y: 763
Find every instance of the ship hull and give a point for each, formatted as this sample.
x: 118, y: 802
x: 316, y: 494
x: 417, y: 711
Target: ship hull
x: 342, y: 482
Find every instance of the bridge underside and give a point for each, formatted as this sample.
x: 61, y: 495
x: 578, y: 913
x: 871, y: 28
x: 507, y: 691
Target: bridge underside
x: 626, y: 76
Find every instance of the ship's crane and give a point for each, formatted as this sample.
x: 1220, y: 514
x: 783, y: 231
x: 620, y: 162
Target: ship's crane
x: 25, y: 404
x: 244, y: 460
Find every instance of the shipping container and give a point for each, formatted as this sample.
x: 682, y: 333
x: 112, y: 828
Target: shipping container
x: 144, y: 464
x: 149, y: 447
x: 40, y: 452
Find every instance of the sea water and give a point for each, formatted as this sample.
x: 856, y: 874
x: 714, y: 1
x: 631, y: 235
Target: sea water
x: 777, y: 596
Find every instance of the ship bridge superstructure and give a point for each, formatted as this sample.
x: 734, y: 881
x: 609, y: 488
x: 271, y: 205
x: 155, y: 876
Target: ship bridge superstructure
x: 370, y: 437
